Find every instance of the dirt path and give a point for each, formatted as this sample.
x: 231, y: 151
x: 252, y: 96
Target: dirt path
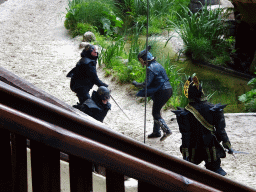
x: 35, y: 46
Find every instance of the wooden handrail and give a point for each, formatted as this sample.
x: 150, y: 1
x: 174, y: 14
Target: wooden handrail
x: 80, y: 146
x: 98, y: 132
x: 25, y: 98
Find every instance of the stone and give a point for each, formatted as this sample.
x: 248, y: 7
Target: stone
x: 83, y: 44
x: 89, y: 36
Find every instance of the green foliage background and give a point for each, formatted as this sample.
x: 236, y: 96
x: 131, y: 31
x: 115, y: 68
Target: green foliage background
x: 120, y: 27
x: 249, y: 98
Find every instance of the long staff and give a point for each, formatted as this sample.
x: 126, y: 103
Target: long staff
x: 145, y: 119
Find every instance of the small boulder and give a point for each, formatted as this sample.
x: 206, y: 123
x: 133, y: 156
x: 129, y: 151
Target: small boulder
x: 83, y: 44
x: 89, y: 36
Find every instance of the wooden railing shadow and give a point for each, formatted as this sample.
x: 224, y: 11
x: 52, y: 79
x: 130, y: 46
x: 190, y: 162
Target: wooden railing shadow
x: 53, y: 130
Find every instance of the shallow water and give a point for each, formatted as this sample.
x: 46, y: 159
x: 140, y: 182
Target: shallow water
x: 225, y: 88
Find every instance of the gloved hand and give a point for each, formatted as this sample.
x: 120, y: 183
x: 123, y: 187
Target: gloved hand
x: 105, y: 85
x: 227, y: 146
x: 231, y: 151
x: 137, y: 84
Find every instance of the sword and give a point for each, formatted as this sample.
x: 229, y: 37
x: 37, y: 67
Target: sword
x: 236, y: 152
x: 240, y: 152
x: 119, y: 106
x: 233, y: 152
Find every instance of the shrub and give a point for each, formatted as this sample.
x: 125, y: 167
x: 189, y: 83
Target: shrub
x: 99, y: 13
x: 160, y: 12
x: 81, y: 28
x: 249, y: 98
x: 202, y: 33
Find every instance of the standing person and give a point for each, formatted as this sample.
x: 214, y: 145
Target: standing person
x: 84, y: 74
x: 98, y: 105
x: 202, y: 126
x: 158, y: 88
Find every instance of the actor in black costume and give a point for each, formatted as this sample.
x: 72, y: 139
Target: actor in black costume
x: 158, y: 88
x: 202, y: 126
x: 84, y: 74
x: 97, y: 106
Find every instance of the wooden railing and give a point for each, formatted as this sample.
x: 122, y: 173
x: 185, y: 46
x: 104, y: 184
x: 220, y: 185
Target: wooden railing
x: 53, y: 130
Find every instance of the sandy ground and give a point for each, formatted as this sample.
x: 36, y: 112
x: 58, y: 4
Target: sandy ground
x: 36, y: 46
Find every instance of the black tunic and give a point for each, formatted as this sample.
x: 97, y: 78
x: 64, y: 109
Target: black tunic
x: 198, y: 142
x: 94, y: 107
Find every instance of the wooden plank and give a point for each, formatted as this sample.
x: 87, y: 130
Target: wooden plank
x: 19, y: 161
x: 114, y: 181
x: 6, y: 167
x: 80, y: 174
x: 45, y: 165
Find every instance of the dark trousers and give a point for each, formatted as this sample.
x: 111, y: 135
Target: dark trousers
x: 201, y: 156
x: 83, y: 94
x: 159, y: 100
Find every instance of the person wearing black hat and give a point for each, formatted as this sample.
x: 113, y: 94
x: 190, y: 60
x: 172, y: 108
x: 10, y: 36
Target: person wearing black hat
x: 98, y: 105
x: 202, y: 126
x: 84, y: 74
x: 158, y: 88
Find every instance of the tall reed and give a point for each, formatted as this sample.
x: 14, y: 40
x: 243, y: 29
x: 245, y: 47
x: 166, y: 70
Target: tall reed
x: 202, y: 33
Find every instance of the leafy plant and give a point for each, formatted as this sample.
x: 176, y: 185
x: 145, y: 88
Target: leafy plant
x: 202, y: 33
x: 81, y: 28
x: 249, y: 98
x: 160, y: 12
x: 99, y: 13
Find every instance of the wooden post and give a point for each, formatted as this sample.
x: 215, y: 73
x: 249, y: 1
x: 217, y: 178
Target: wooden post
x: 19, y: 161
x: 6, y: 166
x: 114, y: 181
x: 80, y: 174
x: 45, y: 165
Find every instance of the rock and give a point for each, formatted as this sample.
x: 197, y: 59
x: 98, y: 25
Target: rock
x: 83, y: 44
x: 89, y: 36
x: 196, y: 5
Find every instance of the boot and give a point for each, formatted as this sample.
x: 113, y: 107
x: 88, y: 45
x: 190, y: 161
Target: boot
x: 154, y: 135
x: 77, y: 106
x: 156, y: 131
x: 165, y: 136
x: 220, y: 171
x: 215, y: 167
x: 165, y: 128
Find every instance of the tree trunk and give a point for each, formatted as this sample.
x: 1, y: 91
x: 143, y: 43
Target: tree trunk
x: 245, y: 36
x: 253, y: 65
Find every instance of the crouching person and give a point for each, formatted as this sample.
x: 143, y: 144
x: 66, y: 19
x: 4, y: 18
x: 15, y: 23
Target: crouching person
x: 202, y: 126
x: 98, y: 105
